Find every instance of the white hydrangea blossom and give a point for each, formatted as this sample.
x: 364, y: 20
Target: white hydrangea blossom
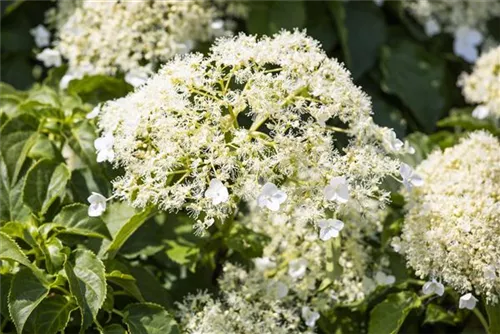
x: 107, y: 37
x: 482, y: 86
x: 247, y: 114
x: 451, y: 230
x: 464, y: 19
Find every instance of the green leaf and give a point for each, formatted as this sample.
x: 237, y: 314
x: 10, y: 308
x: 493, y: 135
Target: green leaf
x: 388, y: 316
x: 17, y: 136
x: 248, y: 243
x: 463, y: 119
x: 87, y: 282
x: 12, y: 207
x: 54, y: 253
x: 114, y: 329
x: 437, y: 314
x: 333, y: 252
x: 45, y: 182
x: 5, y: 281
x: 418, y: 78
x: 126, y: 230
x: 148, y: 318
x: 126, y: 282
x: 51, y: 316
x: 269, y: 17
x: 26, y: 293
x: 319, y: 24
x: 493, y: 311
x: 45, y: 149
x: 185, y: 255
x: 75, y: 219
x: 99, y: 88
x: 9, y: 250
x: 354, y: 19
x: 338, y: 11
x: 81, y: 140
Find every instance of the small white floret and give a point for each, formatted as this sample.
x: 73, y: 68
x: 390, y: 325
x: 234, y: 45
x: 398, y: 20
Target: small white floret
x: 97, y: 204
x: 50, y: 58
x: 41, y: 36
x: 329, y: 228
x: 337, y: 190
x: 410, y: 178
x: 297, y: 268
x: 217, y: 192
x: 310, y: 317
x: 271, y: 197
x: 467, y: 301
x: 104, y: 148
x: 433, y: 287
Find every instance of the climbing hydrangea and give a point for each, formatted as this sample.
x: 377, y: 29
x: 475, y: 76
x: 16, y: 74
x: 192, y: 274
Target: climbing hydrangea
x: 270, y: 120
x: 466, y: 20
x: 452, y: 229
x: 133, y: 37
x: 482, y: 86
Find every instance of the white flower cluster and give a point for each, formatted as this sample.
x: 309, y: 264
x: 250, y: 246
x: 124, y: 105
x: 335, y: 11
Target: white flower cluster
x: 482, y: 86
x: 452, y: 228
x: 237, y: 312
x: 464, y: 19
x: 297, y: 273
x: 134, y: 37
x: 250, y: 121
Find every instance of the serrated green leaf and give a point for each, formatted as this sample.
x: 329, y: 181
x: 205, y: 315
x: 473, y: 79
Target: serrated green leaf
x: 388, y: 316
x: 99, y: 88
x: 437, y: 314
x: 493, y: 311
x: 12, y: 207
x: 75, y: 219
x: 185, y: 255
x: 126, y: 282
x: 148, y: 318
x: 113, y: 329
x: 45, y: 182
x: 51, y: 316
x: 87, y: 283
x: 5, y: 281
x: 411, y: 73
x: 26, y: 293
x: 126, y: 230
x: 44, y: 148
x: 9, y: 250
x: 17, y: 136
x: 53, y: 250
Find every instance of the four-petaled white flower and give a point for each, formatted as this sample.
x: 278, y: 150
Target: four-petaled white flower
x: 217, y: 192
x: 480, y: 112
x: 264, y: 263
x: 94, y: 113
x: 104, y: 148
x: 137, y: 76
x: 410, y: 179
x: 489, y: 272
x: 97, y: 204
x: 41, y: 36
x: 277, y: 289
x: 337, y: 190
x: 50, y: 57
x: 467, y: 301
x: 383, y: 279
x: 392, y: 142
x: 432, y: 27
x: 433, y: 287
x: 297, y: 268
x: 329, y: 228
x: 271, y: 197
x: 310, y: 317
x: 466, y: 42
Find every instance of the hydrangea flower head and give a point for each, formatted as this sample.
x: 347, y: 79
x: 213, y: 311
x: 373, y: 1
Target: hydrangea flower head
x: 246, y: 115
x: 482, y: 86
x: 109, y: 37
x: 451, y: 230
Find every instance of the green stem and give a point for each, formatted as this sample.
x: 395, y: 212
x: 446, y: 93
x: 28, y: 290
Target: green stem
x: 117, y: 312
x: 481, y: 318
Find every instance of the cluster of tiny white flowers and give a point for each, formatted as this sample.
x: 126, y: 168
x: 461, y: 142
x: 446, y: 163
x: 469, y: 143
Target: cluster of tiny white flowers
x: 465, y: 19
x: 133, y: 37
x: 299, y: 257
x: 482, y: 86
x: 452, y: 228
x: 238, y: 312
x: 250, y: 121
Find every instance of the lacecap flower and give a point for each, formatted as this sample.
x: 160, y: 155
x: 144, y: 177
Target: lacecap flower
x: 248, y: 115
